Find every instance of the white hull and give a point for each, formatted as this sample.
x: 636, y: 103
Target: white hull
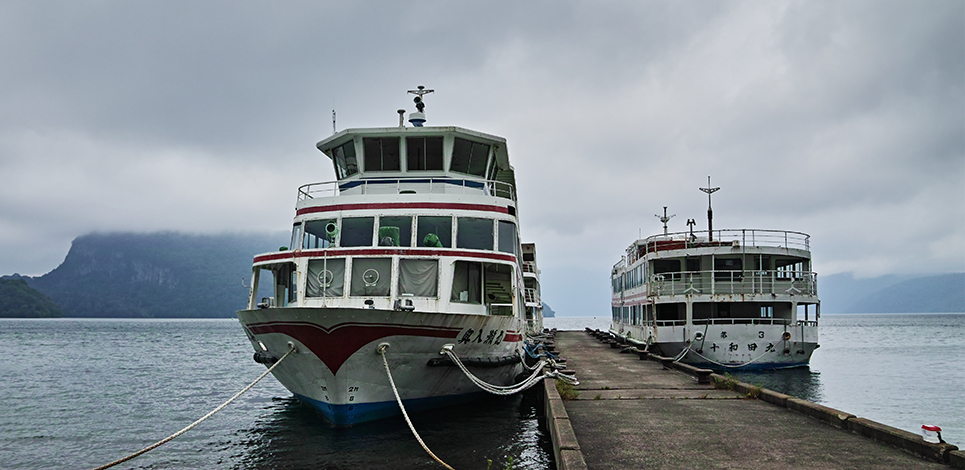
x: 338, y: 370
x: 730, y: 346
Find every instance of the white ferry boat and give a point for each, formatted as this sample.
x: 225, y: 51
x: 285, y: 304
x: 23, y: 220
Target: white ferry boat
x: 416, y: 247
x: 733, y: 299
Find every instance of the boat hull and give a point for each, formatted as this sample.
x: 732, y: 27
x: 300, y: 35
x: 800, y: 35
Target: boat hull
x: 338, y: 371
x: 730, y: 346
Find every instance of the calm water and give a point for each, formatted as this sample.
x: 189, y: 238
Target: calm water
x: 82, y: 393
x: 900, y: 370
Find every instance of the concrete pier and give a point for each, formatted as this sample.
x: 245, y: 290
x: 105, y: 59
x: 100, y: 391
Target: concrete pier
x: 632, y: 412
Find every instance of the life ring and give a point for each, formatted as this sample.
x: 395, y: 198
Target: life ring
x: 786, y: 336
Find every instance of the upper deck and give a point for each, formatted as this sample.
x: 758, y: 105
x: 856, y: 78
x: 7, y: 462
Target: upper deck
x: 413, y: 161
x: 729, y: 241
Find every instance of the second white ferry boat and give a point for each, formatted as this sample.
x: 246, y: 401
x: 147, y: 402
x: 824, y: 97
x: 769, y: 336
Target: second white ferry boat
x: 726, y: 299
x: 414, y: 248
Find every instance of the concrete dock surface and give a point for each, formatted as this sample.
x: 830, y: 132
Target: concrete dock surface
x: 633, y: 413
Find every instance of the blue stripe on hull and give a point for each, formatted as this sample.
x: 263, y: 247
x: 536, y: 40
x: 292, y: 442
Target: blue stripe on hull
x: 347, y: 415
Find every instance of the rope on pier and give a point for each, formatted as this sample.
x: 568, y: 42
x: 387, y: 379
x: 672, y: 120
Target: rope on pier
x: 188, y: 428
x: 537, y: 375
x: 733, y: 366
x: 398, y: 399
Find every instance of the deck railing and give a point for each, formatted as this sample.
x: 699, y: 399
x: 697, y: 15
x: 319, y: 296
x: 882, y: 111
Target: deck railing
x: 408, y: 185
x: 531, y: 295
x: 725, y: 237
x: 734, y: 282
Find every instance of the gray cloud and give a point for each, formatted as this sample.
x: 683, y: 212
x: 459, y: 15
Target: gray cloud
x: 845, y: 120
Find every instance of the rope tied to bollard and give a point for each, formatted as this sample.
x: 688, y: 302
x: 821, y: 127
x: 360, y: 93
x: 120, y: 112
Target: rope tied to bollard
x: 291, y: 349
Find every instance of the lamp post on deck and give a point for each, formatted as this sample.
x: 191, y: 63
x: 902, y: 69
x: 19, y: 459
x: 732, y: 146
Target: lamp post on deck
x: 710, y: 212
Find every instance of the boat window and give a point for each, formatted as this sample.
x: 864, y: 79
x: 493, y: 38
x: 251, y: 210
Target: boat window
x: 357, y: 231
x: 469, y: 157
x: 326, y: 278
x: 474, y: 233
x: 666, y: 266
x: 507, y: 237
x: 423, y: 153
x: 418, y: 277
x: 296, y: 240
x: 319, y: 234
x: 381, y: 153
x: 435, y: 231
x: 371, y: 277
x: 395, y: 231
x: 466, y: 282
x: 345, y: 162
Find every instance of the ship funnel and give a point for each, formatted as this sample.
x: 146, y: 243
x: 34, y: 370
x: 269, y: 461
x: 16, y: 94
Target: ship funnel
x: 418, y: 118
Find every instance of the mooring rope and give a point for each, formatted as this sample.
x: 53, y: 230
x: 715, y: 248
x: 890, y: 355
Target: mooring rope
x: 732, y: 366
x: 188, y: 428
x: 398, y: 399
x: 533, y: 379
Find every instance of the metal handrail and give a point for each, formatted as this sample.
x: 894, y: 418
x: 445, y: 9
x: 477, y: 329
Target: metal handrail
x: 494, y: 188
x: 718, y: 282
x: 728, y: 237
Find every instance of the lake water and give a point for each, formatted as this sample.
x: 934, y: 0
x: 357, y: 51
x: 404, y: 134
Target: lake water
x: 81, y: 393
x: 903, y: 370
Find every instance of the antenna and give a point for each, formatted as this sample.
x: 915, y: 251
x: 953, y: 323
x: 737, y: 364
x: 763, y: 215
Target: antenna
x: 419, y: 117
x: 691, y: 223
x: 710, y: 212
x: 664, y: 219
x: 333, y: 122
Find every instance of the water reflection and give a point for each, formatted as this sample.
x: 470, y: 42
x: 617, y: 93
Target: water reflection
x: 799, y: 382
x: 290, y: 435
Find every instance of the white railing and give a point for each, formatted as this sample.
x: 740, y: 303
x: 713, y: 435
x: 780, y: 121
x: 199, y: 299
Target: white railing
x: 742, y: 321
x: 531, y: 295
x: 734, y: 282
x: 728, y: 237
x: 529, y: 267
x: 407, y: 185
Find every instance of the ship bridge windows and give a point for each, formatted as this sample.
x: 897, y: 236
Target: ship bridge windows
x: 469, y: 157
x: 345, y: 162
x: 474, y: 233
x: 371, y: 277
x: 395, y: 231
x: 434, y: 231
x: 424, y: 153
x: 321, y: 233
x: 381, y: 153
x: 326, y: 278
x: 357, y: 231
x: 788, y: 268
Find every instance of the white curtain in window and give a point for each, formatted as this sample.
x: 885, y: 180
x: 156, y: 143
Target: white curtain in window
x: 418, y: 277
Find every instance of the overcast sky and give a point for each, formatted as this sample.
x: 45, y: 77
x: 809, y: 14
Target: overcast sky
x: 841, y: 119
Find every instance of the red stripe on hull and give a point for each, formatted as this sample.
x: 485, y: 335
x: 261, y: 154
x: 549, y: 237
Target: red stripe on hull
x: 403, y: 205
x: 335, y: 345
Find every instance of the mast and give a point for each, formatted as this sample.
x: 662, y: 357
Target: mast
x: 710, y: 211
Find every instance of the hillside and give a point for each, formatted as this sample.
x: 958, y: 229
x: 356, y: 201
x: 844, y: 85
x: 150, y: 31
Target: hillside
x: 842, y: 293
x: 157, y: 275
x: 18, y: 300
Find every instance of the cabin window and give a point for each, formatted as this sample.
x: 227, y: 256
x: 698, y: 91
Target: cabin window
x: 466, y: 282
x: 767, y: 311
x: 418, y: 277
x: 469, y: 157
x: 435, y: 232
x: 381, y: 153
x: 296, y: 240
x: 722, y: 265
x: 423, y: 153
x: 326, y: 278
x: 507, y: 237
x: 395, y: 231
x: 666, y: 266
x: 319, y: 234
x: 371, y: 277
x: 345, y: 162
x: 474, y: 233
x: 788, y: 268
x: 357, y: 231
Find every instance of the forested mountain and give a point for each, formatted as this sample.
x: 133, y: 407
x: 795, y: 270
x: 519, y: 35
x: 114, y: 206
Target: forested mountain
x: 156, y: 275
x: 842, y: 293
x: 18, y: 300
